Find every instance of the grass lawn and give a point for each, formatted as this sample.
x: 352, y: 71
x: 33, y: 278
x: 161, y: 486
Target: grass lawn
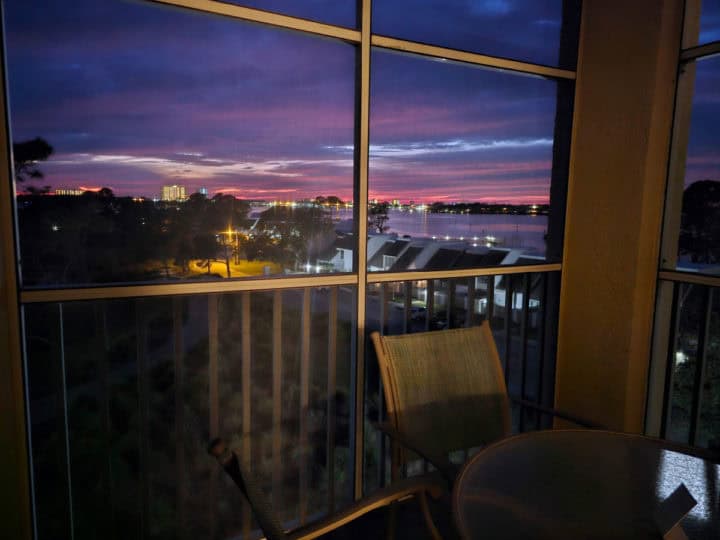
x: 244, y: 268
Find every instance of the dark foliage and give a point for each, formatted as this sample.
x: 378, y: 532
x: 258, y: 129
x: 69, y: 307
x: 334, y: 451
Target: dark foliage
x: 26, y: 154
x: 700, y: 225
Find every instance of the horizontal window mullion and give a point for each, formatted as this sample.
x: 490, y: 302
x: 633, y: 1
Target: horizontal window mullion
x: 465, y: 272
x: 266, y: 17
x: 171, y: 289
x: 471, y: 58
x: 689, y: 277
x: 701, y: 51
x: 327, y: 280
x: 347, y: 34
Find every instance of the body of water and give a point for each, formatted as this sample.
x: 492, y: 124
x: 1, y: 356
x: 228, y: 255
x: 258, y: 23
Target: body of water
x: 512, y: 231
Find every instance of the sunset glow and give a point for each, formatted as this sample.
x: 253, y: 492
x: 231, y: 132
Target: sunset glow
x: 274, y: 120
x: 158, y: 100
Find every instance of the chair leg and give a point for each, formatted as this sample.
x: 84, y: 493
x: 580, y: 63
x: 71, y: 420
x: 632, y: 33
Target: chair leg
x: 422, y: 499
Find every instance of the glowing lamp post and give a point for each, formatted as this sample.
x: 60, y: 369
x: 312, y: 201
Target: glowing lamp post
x: 229, y: 242
x: 229, y: 233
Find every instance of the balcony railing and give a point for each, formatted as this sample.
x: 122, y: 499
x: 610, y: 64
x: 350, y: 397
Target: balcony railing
x: 691, y: 397
x: 124, y: 394
x: 522, y: 316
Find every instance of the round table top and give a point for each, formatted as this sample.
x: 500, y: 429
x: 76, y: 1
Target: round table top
x: 579, y: 484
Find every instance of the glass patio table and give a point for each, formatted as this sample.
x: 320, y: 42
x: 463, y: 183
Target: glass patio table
x: 584, y: 484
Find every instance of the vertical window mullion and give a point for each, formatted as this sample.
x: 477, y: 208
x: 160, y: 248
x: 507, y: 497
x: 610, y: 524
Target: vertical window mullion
x: 362, y: 151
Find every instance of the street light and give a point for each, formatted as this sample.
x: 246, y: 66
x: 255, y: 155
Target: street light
x: 237, y: 243
x: 227, y: 243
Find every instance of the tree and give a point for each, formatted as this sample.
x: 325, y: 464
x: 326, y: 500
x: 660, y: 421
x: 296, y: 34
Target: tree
x: 299, y: 233
x: 378, y: 217
x: 26, y: 154
x: 700, y: 222
x: 227, y: 211
x: 33, y: 190
x: 261, y: 246
x: 205, y: 247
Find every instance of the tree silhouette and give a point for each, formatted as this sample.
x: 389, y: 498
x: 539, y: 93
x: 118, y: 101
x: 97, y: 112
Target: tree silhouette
x: 378, y: 217
x: 205, y: 247
x: 700, y: 222
x: 226, y: 211
x: 299, y: 233
x: 26, y: 154
x: 261, y: 246
x: 34, y: 190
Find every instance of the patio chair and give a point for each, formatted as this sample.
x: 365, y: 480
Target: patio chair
x: 445, y: 391
x: 418, y: 487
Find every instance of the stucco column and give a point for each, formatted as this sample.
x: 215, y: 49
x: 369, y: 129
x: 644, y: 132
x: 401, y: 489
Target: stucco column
x: 627, y: 67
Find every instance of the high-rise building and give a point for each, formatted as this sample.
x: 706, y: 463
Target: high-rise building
x: 173, y: 193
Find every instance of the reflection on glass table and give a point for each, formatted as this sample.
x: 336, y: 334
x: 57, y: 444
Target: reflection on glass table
x: 583, y: 484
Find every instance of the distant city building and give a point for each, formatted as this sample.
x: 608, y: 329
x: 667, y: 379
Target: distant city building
x: 68, y: 191
x: 173, y: 193
x: 203, y: 191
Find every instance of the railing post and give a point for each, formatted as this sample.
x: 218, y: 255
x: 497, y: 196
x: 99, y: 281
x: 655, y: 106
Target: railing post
x: 670, y: 365
x: 179, y: 386
x: 331, y: 390
x: 141, y: 325
x: 246, y: 386
x: 213, y: 405
x: 524, y: 322
x: 277, y: 374
x: 700, y: 365
x: 304, y: 401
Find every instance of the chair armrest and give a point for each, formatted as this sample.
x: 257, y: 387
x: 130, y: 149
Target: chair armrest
x: 558, y: 413
x: 441, y: 463
x: 261, y: 508
x: 407, y: 487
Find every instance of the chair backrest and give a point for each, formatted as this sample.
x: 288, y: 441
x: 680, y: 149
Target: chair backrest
x: 445, y: 390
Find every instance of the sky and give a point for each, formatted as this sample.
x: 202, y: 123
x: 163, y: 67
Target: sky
x: 133, y: 96
x: 703, y: 152
x: 709, y: 21
x: 703, y: 156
